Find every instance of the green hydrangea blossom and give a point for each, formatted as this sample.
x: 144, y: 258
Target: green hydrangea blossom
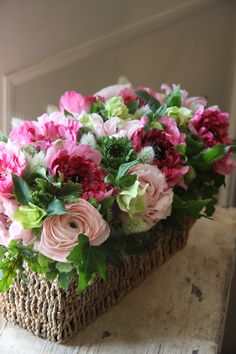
x: 115, y: 107
x: 180, y: 115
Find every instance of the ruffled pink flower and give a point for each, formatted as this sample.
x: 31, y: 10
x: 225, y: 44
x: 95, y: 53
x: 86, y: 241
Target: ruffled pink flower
x: 158, y: 196
x: 167, y: 158
x: 128, y: 95
x: 152, y: 93
x: 57, y: 126
x: 79, y: 163
x: 211, y: 125
x: 27, y: 133
x: 10, y: 229
x: 172, y: 131
x: 60, y: 233
x: 226, y: 165
x: 12, y: 160
x: 75, y: 103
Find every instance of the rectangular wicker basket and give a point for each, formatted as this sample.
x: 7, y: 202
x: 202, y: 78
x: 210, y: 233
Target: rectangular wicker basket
x: 55, y: 314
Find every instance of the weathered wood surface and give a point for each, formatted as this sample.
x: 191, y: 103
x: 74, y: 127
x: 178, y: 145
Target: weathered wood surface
x: 179, y: 309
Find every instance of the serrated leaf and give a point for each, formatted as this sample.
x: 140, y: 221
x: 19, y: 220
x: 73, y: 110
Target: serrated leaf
x: 124, y: 168
x: 21, y: 190
x: 126, y: 181
x: 56, y: 207
x: 206, y: 158
x: 133, y: 106
x: 43, y: 260
x: 90, y: 260
x: 2, y: 252
x: 192, y: 207
x: 64, y: 267
x: 153, y: 103
x: 64, y: 280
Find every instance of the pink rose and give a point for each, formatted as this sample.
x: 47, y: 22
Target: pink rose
x: 60, y: 233
x: 10, y: 229
x: 75, y: 103
x: 158, y: 196
x: 13, y: 160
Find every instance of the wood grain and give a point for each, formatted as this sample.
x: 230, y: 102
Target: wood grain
x: 179, y: 309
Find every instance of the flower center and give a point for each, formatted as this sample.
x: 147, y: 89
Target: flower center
x: 73, y: 225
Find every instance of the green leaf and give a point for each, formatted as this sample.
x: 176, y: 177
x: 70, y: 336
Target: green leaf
x: 2, y: 252
x: 174, y: 98
x: 160, y: 111
x: 3, y: 137
x: 124, y: 168
x: 181, y: 148
x: 133, y: 106
x: 191, y: 207
x: 56, y: 207
x: 69, y: 192
x: 43, y: 260
x: 206, y: 158
x: 126, y: 181
x: 64, y: 267
x: 90, y: 260
x: 153, y: 103
x: 21, y: 190
x: 64, y: 280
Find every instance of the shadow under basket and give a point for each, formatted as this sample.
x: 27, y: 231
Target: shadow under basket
x: 55, y: 314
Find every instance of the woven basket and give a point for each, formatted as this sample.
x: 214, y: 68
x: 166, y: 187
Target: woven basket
x: 55, y: 314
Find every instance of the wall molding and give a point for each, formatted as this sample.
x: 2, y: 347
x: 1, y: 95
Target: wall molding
x: 65, y: 58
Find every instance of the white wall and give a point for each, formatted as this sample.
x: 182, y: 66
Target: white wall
x: 49, y: 46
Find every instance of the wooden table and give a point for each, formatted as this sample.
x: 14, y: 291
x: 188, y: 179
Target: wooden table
x: 179, y: 309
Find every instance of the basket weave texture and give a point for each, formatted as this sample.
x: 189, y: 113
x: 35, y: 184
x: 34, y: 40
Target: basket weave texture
x: 55, y: 314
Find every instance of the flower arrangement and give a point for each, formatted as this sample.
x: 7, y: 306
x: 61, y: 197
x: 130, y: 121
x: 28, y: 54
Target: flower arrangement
x: 94, y: 182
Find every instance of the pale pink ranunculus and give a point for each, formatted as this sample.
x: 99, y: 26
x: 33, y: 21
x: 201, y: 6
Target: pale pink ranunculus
x: 12, y: 160
x: 73, y: 102
x: 26, y: 133
x: 10, y: 229
x: 60, y: 232
x: 158, y: 196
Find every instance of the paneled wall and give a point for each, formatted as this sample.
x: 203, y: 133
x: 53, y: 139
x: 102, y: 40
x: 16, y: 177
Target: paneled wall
x: 49, y: 46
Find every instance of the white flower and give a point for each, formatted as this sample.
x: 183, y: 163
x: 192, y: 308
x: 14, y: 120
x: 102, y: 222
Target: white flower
x: 134, y: 225
x: 147, y: 154
x: 88, y: 139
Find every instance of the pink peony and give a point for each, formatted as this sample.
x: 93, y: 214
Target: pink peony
x: 12, y: 160
x: 158, y: 196
x: 10, y: 229
x: 75, y: 103
x: 60, y: 233
x: 211, y: 125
